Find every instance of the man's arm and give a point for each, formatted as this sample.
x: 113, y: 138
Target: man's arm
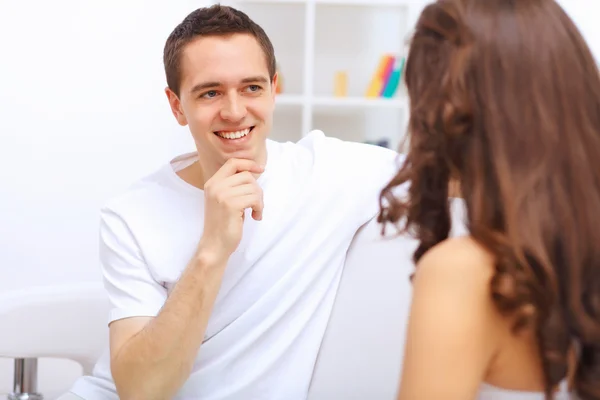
x: 152, y: 357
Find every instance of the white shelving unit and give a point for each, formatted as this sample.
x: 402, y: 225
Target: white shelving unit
x: 314, y: 39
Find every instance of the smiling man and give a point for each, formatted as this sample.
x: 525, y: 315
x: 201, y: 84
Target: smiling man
x: 222, y: 266
x: 220, y: 85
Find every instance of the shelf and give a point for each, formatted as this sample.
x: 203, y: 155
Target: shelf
x: 395, y: 3
x: 272, y: 1
x: 341, y: 102
x: 289, y: 17
x: 359, y: 102
x: 373, y: 125
x: 287, y: 124
x: 345, y: 102
x: 289, y: 99
x: 337, y: 2
x: 314, y: 41
x: 356, y: 45
x: 362, y: 123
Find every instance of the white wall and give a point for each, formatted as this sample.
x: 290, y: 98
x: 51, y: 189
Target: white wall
x: 586, y: 14
x: 82, y: 114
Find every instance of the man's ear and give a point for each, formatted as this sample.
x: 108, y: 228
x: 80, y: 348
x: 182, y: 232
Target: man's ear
x: 274, y: 85
x: 176, y: 108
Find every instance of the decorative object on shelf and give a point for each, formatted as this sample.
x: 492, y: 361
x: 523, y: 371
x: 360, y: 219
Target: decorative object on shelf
x: 340, y: 84
x: 386, y: 79
x: 279, y: 88
x: 381, y: 142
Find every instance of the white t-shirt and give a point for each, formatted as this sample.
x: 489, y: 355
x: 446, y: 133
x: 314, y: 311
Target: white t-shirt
x: 278, y: 289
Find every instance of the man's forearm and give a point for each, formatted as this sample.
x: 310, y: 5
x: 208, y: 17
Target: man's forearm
x: 156, y: 362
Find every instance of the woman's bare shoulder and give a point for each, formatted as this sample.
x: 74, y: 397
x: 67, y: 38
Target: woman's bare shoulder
x: 461, y: 256
x: 452, y: 317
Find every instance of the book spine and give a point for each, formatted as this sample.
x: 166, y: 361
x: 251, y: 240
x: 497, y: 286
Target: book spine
x: 394, y: 81
x: 377, y: 81
x: 387, y: 73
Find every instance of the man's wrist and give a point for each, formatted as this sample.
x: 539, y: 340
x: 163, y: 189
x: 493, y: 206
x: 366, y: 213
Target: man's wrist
x: 210, y: 255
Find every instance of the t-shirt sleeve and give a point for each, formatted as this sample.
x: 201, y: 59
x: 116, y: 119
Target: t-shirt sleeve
x: 362, y: 171
x: 377, y: 167
x: 131, y: 288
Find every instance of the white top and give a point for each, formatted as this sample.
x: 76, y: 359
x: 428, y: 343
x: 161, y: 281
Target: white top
x: 279, y: 286
x: 489, y: 392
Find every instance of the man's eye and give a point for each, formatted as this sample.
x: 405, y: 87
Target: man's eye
x: 254, y: 88
x: 210, y: 94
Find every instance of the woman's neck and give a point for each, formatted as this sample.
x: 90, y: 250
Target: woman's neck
x: 454, y: 189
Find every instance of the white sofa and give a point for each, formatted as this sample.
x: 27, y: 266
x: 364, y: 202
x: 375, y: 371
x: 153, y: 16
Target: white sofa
x: 361, y: 354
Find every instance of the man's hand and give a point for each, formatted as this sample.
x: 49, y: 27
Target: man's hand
x: 227, y: 194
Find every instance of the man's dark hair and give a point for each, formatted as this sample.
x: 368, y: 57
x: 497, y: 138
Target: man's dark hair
x: 216, y: 20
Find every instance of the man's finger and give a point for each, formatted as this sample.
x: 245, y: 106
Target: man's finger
x: 257, y: 215
x: 241, y: 178
x: 253, y: 201
x: 235, y: 165
x: 257, y: 209
x: 241, y: 191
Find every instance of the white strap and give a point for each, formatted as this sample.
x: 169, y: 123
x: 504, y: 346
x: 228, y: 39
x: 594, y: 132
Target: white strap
x: 564, y: 386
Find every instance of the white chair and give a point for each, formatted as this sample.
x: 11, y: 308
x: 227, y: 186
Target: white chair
x: 78, y: 330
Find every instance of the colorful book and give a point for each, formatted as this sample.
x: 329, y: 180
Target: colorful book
x: 378, y: 82
x: 387, y: 73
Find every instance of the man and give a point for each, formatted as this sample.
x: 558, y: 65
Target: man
x: 222, y: 267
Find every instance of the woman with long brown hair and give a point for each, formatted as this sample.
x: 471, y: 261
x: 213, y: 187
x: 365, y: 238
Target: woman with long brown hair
x: 505, y: 110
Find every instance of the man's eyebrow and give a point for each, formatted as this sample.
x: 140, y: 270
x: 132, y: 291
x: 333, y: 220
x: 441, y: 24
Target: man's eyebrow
x: 252, y: 79
x: 205, y: 85
x: 213, y: 84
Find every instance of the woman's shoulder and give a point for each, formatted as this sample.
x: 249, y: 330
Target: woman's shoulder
x: 452, y: 309
x: 455, y: 275
x: 458, y: 256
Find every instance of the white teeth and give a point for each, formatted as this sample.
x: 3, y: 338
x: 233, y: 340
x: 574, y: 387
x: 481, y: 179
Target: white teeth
x: 234, y: 135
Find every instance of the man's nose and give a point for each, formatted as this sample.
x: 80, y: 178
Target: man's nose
x: 233, y: 108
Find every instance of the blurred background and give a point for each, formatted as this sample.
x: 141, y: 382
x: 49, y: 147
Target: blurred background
x: 83, y: 113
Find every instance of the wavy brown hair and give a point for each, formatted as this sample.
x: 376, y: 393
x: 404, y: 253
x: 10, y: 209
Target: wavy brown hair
x: 505, y: 99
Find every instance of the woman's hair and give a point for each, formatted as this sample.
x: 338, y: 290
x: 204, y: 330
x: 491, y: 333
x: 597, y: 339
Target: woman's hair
x: 505, y: 100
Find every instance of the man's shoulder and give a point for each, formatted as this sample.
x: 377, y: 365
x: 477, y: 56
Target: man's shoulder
x: 354, y: 170
x: 140, y: 193
x: 317, y: 139
x: 334, y: 151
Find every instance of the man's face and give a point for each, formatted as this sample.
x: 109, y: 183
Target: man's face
x: 226, y: 98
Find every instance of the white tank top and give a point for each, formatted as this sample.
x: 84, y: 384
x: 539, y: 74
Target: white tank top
x: 489, y: 392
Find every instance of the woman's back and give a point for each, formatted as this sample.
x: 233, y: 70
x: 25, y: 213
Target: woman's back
x: 513, y: 368
x: 454, y: 314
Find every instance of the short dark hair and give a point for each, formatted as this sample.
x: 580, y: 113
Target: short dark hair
x: 216, y: 20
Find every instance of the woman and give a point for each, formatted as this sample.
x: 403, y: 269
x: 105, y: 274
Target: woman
x: 505, y: 110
